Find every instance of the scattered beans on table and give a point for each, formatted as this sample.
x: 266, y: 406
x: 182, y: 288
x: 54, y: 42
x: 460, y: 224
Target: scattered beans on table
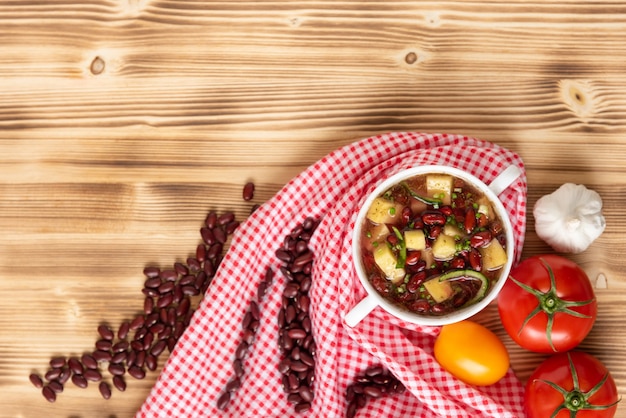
x: 133, y: 348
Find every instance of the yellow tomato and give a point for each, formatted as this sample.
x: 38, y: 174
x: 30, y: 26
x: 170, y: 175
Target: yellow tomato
x: 472, y: 353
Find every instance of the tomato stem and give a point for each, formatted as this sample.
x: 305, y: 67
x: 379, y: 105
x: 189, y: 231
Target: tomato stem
x: 550, y: 304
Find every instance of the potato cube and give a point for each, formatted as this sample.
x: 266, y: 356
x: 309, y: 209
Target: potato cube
x: 440, y: 186
x: 383, y: 211
x: 444, y: 247
x: 415, y: 239
x: 440, y: 291
x: 452, y: 230
x: 493, y: 255
x: 386, y: 260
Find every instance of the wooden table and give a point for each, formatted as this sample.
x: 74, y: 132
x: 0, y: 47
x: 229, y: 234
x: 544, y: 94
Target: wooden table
x: 123, y: 122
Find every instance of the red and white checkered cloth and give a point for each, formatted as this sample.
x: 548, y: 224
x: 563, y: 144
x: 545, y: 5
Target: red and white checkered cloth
x: 332, y: 190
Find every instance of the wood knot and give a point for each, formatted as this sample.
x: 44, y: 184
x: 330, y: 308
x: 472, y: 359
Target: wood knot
x: 578, y: 96
x: 97, y: 66
x: 410, y: 58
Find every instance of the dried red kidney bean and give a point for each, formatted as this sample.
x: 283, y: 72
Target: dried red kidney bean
x: 52, y: 374
x: 56, y: 386
x: 373, y: 383
x: 248, y: 191
x: 89, y: 361
x: 58, y: 362
x: 105, y: 332
x: 249, y: 324
x: 79, y: 380
x: 105, y: 390
x: 36, y: 380
x: 49, y: 394
x: 119, y: 383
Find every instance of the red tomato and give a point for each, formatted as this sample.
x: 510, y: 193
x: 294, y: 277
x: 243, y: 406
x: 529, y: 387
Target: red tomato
x: 572, y: 384
x: 547, y: 304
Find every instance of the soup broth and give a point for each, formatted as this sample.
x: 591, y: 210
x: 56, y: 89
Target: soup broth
x: 433, y: 244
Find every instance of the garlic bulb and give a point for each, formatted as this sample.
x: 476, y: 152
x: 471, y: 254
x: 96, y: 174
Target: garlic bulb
x: 570, y: 218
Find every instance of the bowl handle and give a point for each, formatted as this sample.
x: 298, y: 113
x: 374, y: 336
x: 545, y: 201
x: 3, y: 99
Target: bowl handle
x: 361, y: 310
x: 505, y: 179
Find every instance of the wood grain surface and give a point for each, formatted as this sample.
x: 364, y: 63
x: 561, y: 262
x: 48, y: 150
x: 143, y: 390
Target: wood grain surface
x: 123, y: 122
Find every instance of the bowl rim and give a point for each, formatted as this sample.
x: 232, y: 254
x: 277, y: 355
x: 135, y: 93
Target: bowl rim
x: 457, y: 315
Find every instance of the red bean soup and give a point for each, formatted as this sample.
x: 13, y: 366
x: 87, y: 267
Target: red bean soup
x: 433, y: 244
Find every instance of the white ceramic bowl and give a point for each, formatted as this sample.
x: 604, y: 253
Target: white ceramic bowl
x: 374, y: 299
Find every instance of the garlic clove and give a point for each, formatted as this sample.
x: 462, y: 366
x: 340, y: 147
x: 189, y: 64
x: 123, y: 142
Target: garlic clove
x: 570, y: 218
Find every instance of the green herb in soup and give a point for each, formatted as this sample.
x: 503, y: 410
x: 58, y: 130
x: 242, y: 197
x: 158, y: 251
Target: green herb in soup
x: 433, y: 244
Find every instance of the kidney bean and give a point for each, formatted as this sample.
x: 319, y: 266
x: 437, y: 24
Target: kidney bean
x: 52, y: 374
x: 105, y: 390
x: 457, y: 262
x: 116, y: 369
x: 137, y: 323
x: 392, y: 239
x: 49, y: 394
x: 416, y: 281
x: 151, y: 362
x: 413, y: 257
x: 248, y: 191
x: 75, y: 365
x: 105, y: 332
x: 475, y: 259
x: 79, y: 380
x: 223, y: 400
x: 420, y: 306
x: 136, y: 372
x: 119, y: 357
x: 291, y: 290
x: 89, y: 361
x: 470, y: 220
x: 434, y: 218
x: 36, y: 380
x: 92, y: 375
x: 119, y: 383
x: 220, y: 237
x: 123, y: 330
x: 168, y: 275
x: 57, y: 362
x: 65, y: 376
x: 207, y: 236
x: 480, y: 239
x: 380, y: 284
x: 496, y: 228
x: 231, y: 227
x: 151, y: 272
x: 434, y: 232
x: 56, y: 386
x: 101, y: 355
x: 148, y: 305
x: 166, y: 288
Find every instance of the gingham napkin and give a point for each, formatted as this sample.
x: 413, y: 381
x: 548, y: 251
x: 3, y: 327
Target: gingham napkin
x: 331, y: 190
